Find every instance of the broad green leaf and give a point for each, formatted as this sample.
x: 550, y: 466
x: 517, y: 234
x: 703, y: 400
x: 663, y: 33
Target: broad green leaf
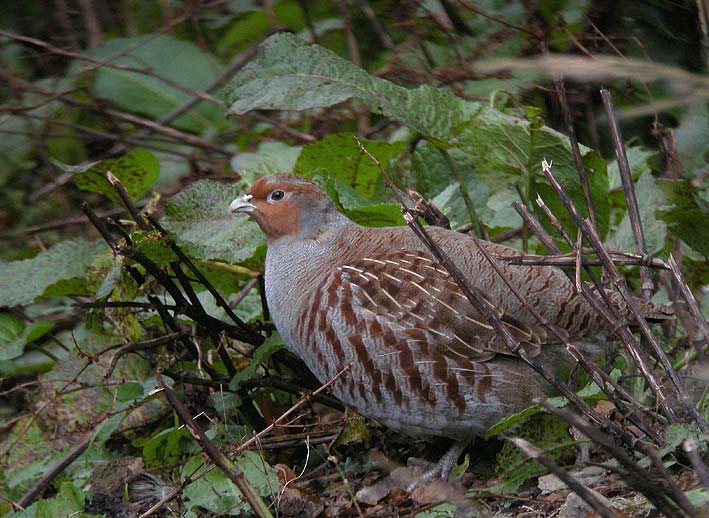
x: 640, y: 159
x: 14, y: 335
x: 685, y: 213
x: 153, y: 245
x: 31, y: 363
x: 339, y: 155
x: 649, y: 197
x: 130, y: 391
x: 145, y: 93
x: 69, y: 502
x: 512, y: 420
x: 61, y: 270
x: 358, y: 208
x: 691, y: 139
x: 166, y: 447
x: 290, y: 74
x: 249, y: 28
x: 15, y: 145
x: 269, y: 158
x: 199, y: 220
x: 506, y: 150
x: 263, y: 352
x: 548, y: 433
x: 217, y: 494
x: 137, y: 171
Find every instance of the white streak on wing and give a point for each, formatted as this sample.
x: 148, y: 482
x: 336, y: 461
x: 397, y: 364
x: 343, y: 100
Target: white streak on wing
x: 417, y: 317
x: 451, y: 308
x: 395, y: 279
x: 421, y: 288
x: 364, y: 292
x: 435, y: 332
x: 382, y: 355
x: 470, y: 346
x: 419, y: 257
x: 374, y: 261
x: 371, y: 276
x: 477, y: 322
x: 385, y: 292
x: 350, y: 268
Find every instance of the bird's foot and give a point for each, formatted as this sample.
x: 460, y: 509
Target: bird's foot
x: 440, y: 469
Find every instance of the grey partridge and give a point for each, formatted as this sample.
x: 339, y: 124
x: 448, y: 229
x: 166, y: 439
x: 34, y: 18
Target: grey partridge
x: 423, y: 360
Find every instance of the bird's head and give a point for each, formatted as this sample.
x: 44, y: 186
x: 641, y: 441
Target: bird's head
x: 285, y: 205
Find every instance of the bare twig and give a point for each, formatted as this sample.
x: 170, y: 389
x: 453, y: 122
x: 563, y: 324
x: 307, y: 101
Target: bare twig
x: 691, y: 448
x: 629, y: 190
x: 137, y: 346
x: 575, y: 150
x: 253, y: 336
x: 376, y: 24
x: 618, y: 258
x: 464, y: 194
x: 689, y: 298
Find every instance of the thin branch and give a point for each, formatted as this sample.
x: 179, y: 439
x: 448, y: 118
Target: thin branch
x: 629, y: 190
x: 618, y: 258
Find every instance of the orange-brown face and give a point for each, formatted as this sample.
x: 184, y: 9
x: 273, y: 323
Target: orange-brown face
x: 276, y: 203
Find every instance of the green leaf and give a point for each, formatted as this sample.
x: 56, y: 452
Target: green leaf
x: 686, y: 214
x: 512, y: 420
x: 137, y: 171
x: 14, y: 335
x: 30, y: 363
x: 69, y: 502
x: 130, y: 391
x: 339, y: 155
x: 153, y: 245
x: 440, y: 511
x: 640, y: 159
x: 691, y: 138
x: 199, y: 220
x: 248, y: 29
x: 290, y: 74
x: 168, y: 446
x: 215, y: 492
x: 506, y: 150
x: 263, y: 352
x: 358, y: 208
x: 145, y: 93
x: 61, y: 270
x: 649, y: 197
x: 270, y: 158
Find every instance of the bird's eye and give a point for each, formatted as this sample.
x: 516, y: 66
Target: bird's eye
x: 276, y: 195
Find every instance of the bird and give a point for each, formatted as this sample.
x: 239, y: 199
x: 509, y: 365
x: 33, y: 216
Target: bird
x: 373, y: 300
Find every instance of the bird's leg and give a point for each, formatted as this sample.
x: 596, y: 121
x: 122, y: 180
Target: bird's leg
x: 443, y: 467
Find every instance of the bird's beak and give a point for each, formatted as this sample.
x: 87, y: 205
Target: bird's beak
x: 242, y: 204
